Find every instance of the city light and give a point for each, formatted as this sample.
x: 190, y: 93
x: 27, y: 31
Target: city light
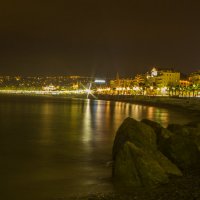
x: 152, y: 83
x: 100, y: 81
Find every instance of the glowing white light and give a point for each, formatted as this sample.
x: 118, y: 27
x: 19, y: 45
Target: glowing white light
x: 136, y: 88
x: 88, y: 91
x: 100, y: 81
x: 164, y: 90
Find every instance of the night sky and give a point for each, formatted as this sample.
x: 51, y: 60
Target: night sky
x: 98, y: 37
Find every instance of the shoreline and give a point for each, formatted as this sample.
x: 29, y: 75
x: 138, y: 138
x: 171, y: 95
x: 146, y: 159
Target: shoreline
x: 190, y: 104
x: 154, y: 100
x: 178, y: 103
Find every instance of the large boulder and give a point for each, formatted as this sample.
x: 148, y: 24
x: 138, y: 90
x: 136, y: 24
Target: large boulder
x: 194, y: 129
x: 170, y: 168
x: 134, y: 131
x: 194, y: 124
x: 161, y: 133
x: 137, y: 161
x: 182, y: 146
x: 134, y: 167
x: 156, y: 126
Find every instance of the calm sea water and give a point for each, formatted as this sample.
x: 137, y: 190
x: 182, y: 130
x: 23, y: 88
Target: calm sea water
x: 52, y: 148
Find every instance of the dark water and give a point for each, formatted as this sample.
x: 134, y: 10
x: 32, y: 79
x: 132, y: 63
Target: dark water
x: 52, y: 148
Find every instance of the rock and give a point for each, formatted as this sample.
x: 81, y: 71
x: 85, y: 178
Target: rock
x: 194, y: 129
x: 169, y: 168
x: 164, y: 134
x: 134, y: 167
x: 181, y: 147
x: 125, y: 172
x: 156, y: 126
x: 181, y: 144
x: 139, y: 133
x: 161, y: 133
x: 179, y: 130
x: 194, y: 124
x: 137, y: 161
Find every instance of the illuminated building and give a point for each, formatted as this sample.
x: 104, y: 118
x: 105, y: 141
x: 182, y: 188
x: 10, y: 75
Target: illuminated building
x: 195, y: 77
x: 163, y: 77
x: 139, y: 80
x: 121, y: 83
x: 49, y: 88
x: 184, y: 83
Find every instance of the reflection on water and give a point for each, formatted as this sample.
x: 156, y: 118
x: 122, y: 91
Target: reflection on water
x: 87, y: 129
x: 52, y: 148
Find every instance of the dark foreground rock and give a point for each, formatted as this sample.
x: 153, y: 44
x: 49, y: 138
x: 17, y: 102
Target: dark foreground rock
x: 136, y: 132
x: 179, y: 143
x: 137, y: 160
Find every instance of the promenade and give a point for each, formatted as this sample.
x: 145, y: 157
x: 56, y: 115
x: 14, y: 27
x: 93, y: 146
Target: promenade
x: 189, y: 103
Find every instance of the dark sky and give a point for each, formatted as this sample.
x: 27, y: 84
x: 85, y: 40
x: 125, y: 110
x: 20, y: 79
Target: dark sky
x: 101, y: 37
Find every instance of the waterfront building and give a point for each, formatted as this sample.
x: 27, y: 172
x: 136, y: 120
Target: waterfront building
x: 139, y: 80
x: 163, y: 77
x: 184, y: 83
x: 194, y: 77
x: 122, y: 83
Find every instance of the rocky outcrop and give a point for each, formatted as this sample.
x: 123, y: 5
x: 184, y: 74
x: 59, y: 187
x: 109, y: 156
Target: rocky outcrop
x: 180, y: 143
x: 183, y: 146
x: 162, y: 134
x: 136, y: 132
x: 137, y: 159
x: 135, y: 167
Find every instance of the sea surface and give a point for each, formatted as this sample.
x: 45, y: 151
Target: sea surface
x: 53, y: 148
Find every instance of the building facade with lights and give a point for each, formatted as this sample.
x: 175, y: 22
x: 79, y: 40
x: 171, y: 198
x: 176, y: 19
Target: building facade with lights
x: 194, y: 77
x: 163, y: 77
